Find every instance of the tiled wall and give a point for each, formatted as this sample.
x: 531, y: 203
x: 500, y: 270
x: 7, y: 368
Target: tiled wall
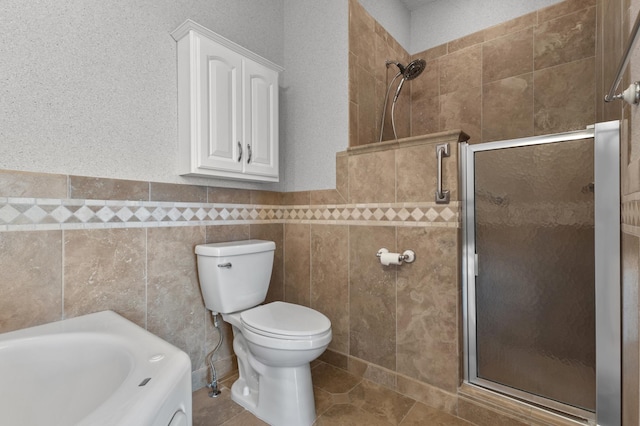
x: 73, y: 245
x: 370, y: 46
x: 541, y: 73
x: 615, y: 18
x: 529, y: 76
x: 397, y: 325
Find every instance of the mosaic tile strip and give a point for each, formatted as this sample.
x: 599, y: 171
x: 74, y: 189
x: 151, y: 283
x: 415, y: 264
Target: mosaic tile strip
x: 631, y: 230
x: 18, y: 214
x: 630, y: 212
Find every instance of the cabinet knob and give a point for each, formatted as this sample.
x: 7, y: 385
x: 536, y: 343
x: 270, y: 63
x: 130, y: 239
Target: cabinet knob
x: 239, y: 151
x: 249, y: 156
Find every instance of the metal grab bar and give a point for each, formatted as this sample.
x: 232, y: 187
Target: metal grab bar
x: 624, y: 61
x: 442, y: 196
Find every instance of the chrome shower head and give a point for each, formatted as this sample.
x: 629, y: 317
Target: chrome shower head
x: 412, y: 70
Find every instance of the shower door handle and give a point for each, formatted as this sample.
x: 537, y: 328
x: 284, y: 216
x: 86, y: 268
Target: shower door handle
x: 442, y: 196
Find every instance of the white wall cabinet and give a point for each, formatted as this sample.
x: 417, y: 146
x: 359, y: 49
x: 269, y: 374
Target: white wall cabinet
x: 227, y: 108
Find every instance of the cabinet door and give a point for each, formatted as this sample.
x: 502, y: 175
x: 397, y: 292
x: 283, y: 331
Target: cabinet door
x: 260, y: 120
x: 220, y: 142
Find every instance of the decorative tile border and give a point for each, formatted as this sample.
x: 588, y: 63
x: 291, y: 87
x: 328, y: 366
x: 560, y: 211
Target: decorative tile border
x: 383, y: 214
x: 23, y: 214
x: 630, y: 213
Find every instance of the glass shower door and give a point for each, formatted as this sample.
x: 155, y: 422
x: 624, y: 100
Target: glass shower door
x: 532, y: 274
x: 535, y: 283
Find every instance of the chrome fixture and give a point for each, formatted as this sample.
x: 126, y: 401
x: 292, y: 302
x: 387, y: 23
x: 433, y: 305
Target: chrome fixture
x: 387, y: 258
x: 409, y: 72
x: 631, y: 95
x: 442, y: 196
x: 633, y: 89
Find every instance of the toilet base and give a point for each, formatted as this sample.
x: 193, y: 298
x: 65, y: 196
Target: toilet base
x: 284, y: 398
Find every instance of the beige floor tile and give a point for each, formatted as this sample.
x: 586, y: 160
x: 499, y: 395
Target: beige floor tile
x: 213, y: 411
x: 422, y: 415
x: 349, y: 415
x: 341, y: 399
x: 332, y: 379
x: 383, y: 403
x: 323, y: 400
x: 245, y: 419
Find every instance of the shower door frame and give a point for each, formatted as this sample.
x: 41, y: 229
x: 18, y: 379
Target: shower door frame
x: 606, y: 137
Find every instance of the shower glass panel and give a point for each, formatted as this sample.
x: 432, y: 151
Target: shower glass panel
x: 535, y: 307
x: 541, y: 270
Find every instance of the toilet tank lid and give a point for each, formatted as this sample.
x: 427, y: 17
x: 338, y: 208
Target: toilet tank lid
x: 233, y: 248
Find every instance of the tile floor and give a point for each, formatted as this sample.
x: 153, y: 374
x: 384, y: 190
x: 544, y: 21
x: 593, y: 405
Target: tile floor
x: 341, y: 399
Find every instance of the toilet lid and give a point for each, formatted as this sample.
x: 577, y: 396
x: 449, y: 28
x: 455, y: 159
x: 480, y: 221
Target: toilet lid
x: 286, y: 319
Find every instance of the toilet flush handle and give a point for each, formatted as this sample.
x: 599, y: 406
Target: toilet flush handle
x: 224, y: 265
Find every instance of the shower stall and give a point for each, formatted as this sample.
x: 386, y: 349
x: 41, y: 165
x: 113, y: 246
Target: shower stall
x: 541, y: 280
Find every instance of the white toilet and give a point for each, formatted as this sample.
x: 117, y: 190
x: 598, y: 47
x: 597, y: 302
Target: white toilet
x: 274, y: 343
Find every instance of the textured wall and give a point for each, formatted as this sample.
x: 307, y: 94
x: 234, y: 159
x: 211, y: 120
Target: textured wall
x: 90, y: 89
x: 314, y: 101
x: 394, y: 17
x: 439, y: 22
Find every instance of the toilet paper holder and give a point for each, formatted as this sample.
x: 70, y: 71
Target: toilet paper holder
x: 407, y: 256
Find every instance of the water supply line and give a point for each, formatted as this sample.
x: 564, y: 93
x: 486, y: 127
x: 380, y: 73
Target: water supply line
x: 214, y: 392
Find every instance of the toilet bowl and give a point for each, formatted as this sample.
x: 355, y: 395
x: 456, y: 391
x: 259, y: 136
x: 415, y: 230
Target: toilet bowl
x: 274, y: 349
x: 274, y: 343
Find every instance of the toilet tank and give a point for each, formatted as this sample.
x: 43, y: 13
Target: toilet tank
x: 234, y: 275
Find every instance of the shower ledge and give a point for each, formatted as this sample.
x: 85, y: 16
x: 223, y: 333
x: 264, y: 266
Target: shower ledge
x: 446, y: 136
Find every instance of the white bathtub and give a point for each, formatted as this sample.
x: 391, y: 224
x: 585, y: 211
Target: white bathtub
x: 90, y: 370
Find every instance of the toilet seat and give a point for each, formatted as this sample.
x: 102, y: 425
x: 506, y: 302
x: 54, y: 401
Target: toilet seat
x: 285, y: 326
x: 281, y: 320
